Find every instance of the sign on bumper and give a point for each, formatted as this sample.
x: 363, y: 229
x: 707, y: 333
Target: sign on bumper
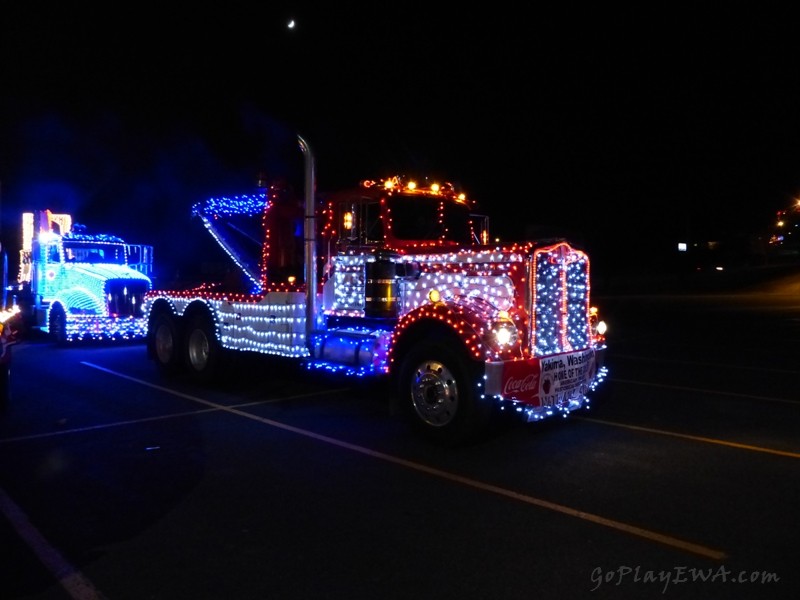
x: 545, y: 381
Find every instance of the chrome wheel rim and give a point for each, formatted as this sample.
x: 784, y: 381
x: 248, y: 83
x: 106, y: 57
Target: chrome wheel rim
x: 434, y: 394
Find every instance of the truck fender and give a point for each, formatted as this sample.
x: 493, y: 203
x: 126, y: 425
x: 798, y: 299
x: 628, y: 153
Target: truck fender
x: 433, y: 319
x: 81, y: 300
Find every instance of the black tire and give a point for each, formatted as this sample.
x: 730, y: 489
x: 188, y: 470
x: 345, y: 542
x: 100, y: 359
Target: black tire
x: 57, y: 325
x: 202, y: 350
x: 437, y: 387
x: 166, y: 344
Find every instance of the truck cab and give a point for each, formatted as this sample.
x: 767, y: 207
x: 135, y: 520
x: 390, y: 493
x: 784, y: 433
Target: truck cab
x: 402, y: 214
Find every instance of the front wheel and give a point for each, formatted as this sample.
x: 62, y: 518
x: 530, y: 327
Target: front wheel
x: 438, y: 392
x: 57, y: 325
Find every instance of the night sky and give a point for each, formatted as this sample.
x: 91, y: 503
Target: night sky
x: 622, y: 128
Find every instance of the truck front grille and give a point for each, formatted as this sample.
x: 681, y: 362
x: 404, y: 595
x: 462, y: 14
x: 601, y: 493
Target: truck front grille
x: 559, y: 296
x: 125, y: 296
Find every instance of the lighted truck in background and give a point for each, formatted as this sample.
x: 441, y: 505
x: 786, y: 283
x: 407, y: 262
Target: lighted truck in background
x: 396, y: 279
x: 73, y: 285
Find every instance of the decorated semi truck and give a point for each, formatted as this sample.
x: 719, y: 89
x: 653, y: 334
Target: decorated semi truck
x: 395, y: 278
x: 73, y: 285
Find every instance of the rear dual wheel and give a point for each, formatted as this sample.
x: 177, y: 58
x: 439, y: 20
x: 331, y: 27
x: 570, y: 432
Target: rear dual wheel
x: 166, y: 344
x: 193, y: 348
x: 203, y: 352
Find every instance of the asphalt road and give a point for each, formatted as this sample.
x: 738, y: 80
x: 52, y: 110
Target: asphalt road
x: 681, y: 483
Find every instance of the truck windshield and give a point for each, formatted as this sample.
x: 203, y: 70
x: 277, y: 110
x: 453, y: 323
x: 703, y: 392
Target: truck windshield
x: 416, y: 218
x: 94, y: 253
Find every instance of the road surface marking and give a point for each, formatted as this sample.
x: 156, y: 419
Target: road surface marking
x: 473, y: 483
x: 694, y: 438
x: 71, y: 579
x: 702, y: 391
x: 678, y: 361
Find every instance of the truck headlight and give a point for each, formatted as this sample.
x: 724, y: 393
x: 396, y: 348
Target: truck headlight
x: 601, y: 328
x: 505, y: 333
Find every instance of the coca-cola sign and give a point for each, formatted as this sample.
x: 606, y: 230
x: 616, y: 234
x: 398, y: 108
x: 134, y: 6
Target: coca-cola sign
x: 520, y: 381
x: 515, y: 386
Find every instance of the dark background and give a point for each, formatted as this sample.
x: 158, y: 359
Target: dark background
x: 627, y: 129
